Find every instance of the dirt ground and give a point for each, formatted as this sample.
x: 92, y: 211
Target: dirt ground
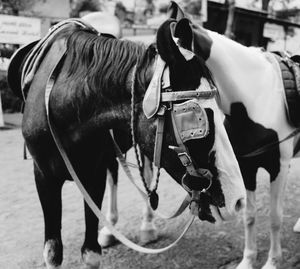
x: 204, y: 246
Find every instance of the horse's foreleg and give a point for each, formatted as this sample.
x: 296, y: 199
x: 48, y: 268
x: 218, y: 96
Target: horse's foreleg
x: 91, y: 250
x: 276, y: 216
x: 105, y: 238
x: 250, y: 250
x: 148, y: 231
x: 49, y: 192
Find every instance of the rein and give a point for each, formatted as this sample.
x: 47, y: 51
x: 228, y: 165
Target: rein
x: 269, y: 146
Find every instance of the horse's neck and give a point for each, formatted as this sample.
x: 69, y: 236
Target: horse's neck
x: 242, y: 74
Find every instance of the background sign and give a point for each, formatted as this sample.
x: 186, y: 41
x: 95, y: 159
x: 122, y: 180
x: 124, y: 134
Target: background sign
x: 19, y: 30
x: 273, y: 31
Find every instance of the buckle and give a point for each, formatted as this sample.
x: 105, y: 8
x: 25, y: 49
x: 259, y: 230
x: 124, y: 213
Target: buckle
x: 185, y: 159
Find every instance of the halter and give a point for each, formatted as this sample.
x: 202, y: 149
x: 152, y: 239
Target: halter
x: 189, y: 121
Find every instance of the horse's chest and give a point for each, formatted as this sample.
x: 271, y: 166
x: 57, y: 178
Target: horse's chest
x: 246, y: 136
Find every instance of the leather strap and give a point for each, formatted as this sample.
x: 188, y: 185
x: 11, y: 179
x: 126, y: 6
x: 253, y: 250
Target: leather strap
x: 159, y: 136
x: 269, y: 146
x: 85, y: 194
x: 182, y: 151
x: 186, y: 95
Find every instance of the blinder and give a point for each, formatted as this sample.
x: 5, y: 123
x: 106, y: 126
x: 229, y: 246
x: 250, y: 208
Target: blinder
x: 190, y: 120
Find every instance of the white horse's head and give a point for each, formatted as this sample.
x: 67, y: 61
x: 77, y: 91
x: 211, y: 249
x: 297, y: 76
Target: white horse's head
x: 217, y: 182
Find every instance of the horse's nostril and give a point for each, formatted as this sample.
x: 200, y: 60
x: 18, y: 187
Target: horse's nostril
x: 240, y: 204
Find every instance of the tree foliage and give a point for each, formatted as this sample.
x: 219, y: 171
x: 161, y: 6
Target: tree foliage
x: 83, y: 5
x: 13, y: 7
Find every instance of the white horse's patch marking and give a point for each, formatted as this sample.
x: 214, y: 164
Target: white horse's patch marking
x: 49, y: 255
x: 91, y: 259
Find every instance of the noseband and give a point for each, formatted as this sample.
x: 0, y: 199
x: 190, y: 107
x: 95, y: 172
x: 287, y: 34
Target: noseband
x: 189, y: 121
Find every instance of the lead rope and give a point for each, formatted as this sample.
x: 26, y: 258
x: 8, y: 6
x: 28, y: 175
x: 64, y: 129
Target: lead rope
x: 152, y: 194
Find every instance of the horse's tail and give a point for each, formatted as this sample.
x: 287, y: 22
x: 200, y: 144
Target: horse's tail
x: 14, y: 73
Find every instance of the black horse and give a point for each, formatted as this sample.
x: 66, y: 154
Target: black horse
x: 93, y: 92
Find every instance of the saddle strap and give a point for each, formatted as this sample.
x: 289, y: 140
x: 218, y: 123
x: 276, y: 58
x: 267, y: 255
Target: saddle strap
x: 85, y: 194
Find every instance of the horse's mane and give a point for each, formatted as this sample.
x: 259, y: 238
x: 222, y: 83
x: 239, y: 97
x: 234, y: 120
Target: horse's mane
x: 102, y: 62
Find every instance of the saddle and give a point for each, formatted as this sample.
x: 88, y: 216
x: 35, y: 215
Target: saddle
x: 290, y: 71
x: 32, y: 54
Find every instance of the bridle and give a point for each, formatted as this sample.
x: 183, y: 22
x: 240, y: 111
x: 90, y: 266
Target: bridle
x: 185, y: 110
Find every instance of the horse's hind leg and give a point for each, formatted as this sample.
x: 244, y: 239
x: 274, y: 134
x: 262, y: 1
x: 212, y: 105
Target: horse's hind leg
x: 95, y: 186
x: 148, y: 231
x: 105, y: 238
x: 49, y: 192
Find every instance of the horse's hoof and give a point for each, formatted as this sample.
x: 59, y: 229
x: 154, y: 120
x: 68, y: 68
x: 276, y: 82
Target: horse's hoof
x: 50, y: 266
x: 53, y: 254
x: 105, y: 238
x: 147, y: 236
x: 91, y: 259
x: 245, y: 264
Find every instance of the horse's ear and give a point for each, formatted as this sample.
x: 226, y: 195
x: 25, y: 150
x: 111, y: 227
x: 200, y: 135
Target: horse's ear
x: 184, y: 33
x: 175, y: 11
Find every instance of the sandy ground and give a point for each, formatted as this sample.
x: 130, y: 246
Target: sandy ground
x: 204, y: 246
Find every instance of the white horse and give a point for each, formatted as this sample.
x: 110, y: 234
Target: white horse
x: 252, y: 97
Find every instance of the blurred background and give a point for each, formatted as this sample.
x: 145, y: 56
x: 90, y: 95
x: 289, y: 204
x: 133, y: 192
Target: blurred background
x: 271, y: 24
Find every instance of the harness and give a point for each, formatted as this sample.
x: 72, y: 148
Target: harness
x: 189, y: 121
